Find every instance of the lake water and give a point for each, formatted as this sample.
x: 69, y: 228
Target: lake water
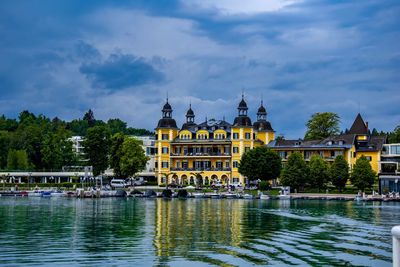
x: 195, y: 232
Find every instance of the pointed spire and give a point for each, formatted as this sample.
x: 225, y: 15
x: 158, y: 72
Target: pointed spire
x: 359, y: 126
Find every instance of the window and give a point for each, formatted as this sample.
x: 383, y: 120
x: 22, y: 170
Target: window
x: 395, y: 150
x: 235, y: 150
x: 246, y: 149
x: 156, y: 164
x: 235, y: 136
x: 219, y: 165
x: 283, y: 154
x: 369, y: 158
x: 184, y: 165
x: 235, y: 180
x: 247, y: 135
x: 307, y: 154
x: 165, y: 150
x: 164, y: 137
x: 235, y: 164
x: 227, y: 165
x: 165, y: 164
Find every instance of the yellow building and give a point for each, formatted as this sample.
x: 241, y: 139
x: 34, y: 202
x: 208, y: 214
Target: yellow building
x: 353, y: 144
x: 209, y: 152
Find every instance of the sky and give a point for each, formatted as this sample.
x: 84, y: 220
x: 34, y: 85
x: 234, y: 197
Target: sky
x: 122, y: 58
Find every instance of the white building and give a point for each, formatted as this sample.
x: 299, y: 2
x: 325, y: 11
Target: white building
x: 77, y: 144
x: 150, y: 149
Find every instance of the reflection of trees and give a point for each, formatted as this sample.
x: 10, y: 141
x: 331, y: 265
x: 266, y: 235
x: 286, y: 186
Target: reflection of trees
x: 107, y: 221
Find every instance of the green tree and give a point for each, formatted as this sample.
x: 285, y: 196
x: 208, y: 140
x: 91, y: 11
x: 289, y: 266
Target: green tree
x: 17, y: 160
x: 116, y: 126
x: 78, y: 127
x: 5, y: 140
x: 260, y: 163
x: 319, y: 172
x: 8, y: 124
x: 362, y: 175
x: 339, y: 172
x: 295, y: 172
x: 322, y: 125
x: 117, y: 141
x: 96, y: 148
x: 394, y: 137
x: 133, y: 158
x: 89, y: 117
x: 57, y: 150
x: 29, y: 138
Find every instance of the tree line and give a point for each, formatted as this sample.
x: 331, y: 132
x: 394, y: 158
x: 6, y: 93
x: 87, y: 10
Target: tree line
x: 265, y: 164
x: 36, y: 142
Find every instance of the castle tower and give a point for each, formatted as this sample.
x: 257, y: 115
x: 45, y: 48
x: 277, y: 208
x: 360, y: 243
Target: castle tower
x: 262, y: 127
x: 166, y: 131
x: 242, y: 139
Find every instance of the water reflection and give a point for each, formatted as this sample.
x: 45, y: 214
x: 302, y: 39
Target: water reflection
x: 199, y: 232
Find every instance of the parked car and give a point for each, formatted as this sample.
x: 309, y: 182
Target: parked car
x: 117, y: 183
x: 139, y: 181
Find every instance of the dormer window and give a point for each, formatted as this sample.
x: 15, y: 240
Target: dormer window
x: 340, y: 143
x: 329, y: 143
x: 297, y: 143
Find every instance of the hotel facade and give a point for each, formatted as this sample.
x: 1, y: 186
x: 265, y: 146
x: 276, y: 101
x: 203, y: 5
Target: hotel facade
x: 200, y: 154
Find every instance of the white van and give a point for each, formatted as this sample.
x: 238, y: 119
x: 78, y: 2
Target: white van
x: 117, y: 183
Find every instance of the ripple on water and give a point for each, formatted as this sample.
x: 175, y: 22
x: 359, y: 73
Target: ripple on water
x: 51, y: 232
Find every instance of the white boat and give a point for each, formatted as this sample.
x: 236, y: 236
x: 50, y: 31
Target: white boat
x: 262, y: 196
x: 248, y: 196
x: 198, y: 195
x: 58, y: 194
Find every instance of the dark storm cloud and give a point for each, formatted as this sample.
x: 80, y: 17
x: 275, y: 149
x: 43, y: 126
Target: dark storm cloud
x: 63, y: 57
x: 121, y: 71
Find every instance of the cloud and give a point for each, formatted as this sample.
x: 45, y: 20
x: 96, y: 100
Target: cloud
x: 121, y: 71
x: 119, y: 57
x: 234, y: 7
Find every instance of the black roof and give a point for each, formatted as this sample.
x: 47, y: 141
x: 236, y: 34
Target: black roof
x: 262, y: 125
x: 190, y: 112
x: 167, y: 107
x: 166, y: 123
x: 359, y: 126
x: 189, y: 126
x: 209, y: 125
x: 242, y: 121
x: 261, y: 110
x: 242, y: 104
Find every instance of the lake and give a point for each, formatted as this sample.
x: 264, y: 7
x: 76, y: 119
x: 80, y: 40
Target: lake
x: 195, y: 232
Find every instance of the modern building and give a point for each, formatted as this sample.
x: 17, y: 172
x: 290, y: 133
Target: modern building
x: 389, y: 169
x: 77, y: 146
x: 209, y: 151
x: 148, y: 145
x: 355, y: 143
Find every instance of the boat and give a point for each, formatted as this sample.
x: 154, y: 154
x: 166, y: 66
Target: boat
x: 284, y: 197
x: 58, y: 193
x: 46, y: 194
x: 35, y: 193
x: 248, y: 196
x: 230, y: 195
x: 198, y: 195
x: 263, y: 196
x: 215, y: 195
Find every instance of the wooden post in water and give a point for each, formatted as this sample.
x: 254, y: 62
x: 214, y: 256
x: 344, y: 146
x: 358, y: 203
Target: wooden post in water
x: 396, y: 246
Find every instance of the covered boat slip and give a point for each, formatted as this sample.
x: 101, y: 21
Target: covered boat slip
x: 389, y: 184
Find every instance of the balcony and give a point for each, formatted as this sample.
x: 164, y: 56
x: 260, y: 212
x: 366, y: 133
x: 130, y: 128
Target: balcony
x: 205, y: 154
x: 202, y: 169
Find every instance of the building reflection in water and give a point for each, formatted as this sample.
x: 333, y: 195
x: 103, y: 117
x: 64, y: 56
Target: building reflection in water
x: 187, y: 228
